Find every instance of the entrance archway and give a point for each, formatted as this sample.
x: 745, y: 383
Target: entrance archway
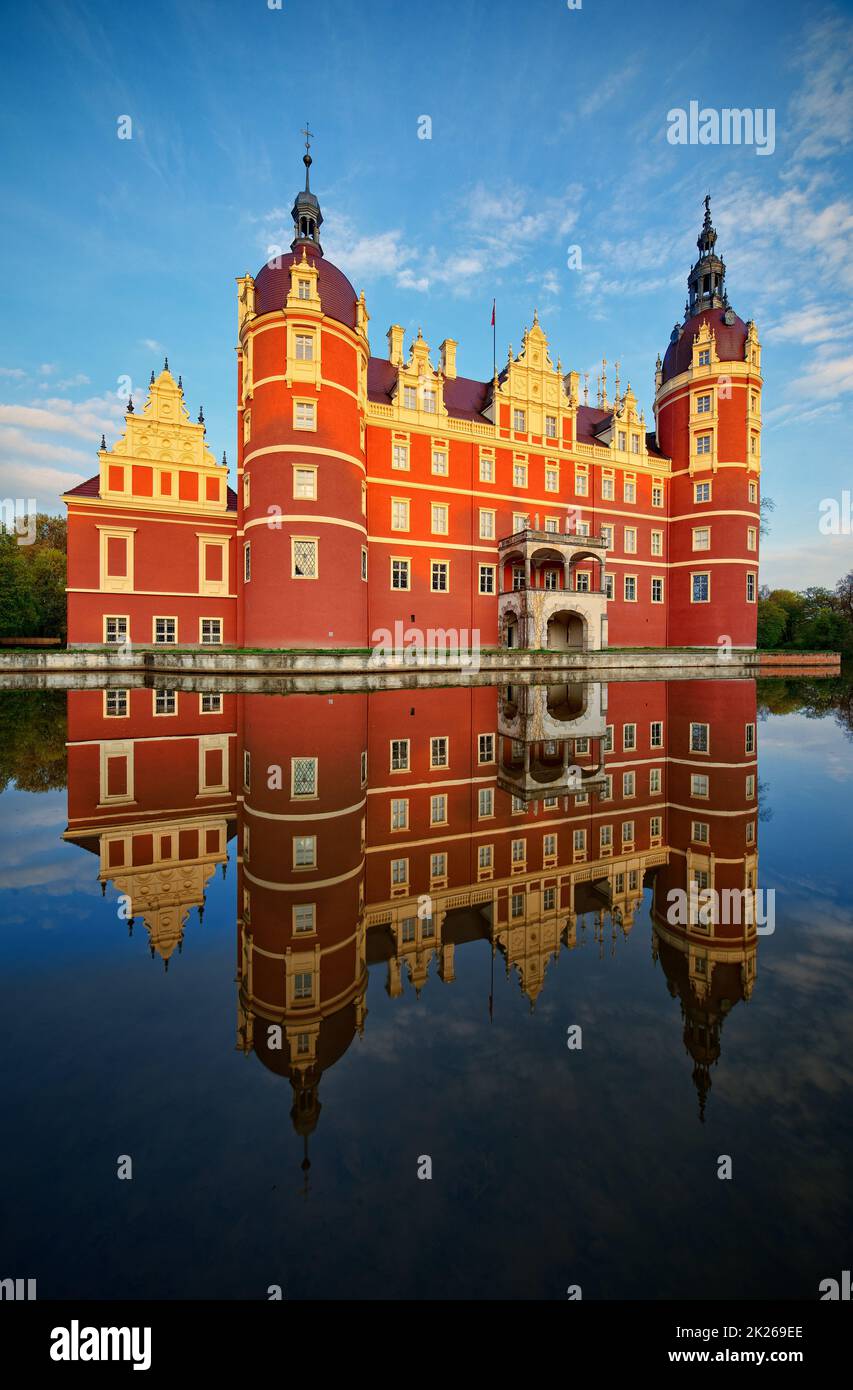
x: 566, y: 631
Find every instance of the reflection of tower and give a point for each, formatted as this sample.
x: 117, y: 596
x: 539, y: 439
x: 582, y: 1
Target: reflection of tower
x: 150, y: 781
x: 706, y: 939
x: 302, y: 972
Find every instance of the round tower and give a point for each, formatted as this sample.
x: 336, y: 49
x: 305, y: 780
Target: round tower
x: 302, y: 392
x: 708, y: 414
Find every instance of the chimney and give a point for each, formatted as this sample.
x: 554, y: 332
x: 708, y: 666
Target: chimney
x: 448, y: 358
x: 395, y: 344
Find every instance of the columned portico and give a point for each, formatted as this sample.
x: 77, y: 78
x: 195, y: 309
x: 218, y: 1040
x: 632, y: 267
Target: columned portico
x: 552, y: 591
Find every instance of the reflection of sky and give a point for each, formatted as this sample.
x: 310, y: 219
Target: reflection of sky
x: 550, y: 1167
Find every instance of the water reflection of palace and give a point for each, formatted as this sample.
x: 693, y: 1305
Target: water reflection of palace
x: 391, y: 829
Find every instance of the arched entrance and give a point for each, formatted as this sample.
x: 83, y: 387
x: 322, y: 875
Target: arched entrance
x: 566, y: 631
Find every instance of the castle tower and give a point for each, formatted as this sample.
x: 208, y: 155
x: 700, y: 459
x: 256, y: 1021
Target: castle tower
x: 708, y: 413
x: 302, y: 392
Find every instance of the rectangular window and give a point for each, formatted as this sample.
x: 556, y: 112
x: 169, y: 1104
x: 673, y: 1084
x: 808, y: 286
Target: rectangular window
x: 399, y: 755
x: 753, y: 492
x: 654, y: 781
x: 751, y: 538
x: 622, y: 439
x: 629, y: 783
x: 581, y: 582
x: 115, y: 630
x: 699, y: 784
x: 165, y: 702
x: 437, y: 867
x: 608, y: 585
x: 630, y: 533
x: 116, y: 704
x: 486, y: 748
x: 607, y: 535
x: 303, y: 552
x: 704, y: 357
x: 302, y: 985
x: 487, y: 469
x: 305, y: 483
x: 247, y: 769
x: 700, y: 588
x: 629, y: 737
x: 400, y: 457
x: 439, y: 462
x: 657, y: 589
x: 485, y: 802
x: 517, y: 905
x: 211, y: 631
x: 579, y: 841
x: 410, y: 397
x: 581, y: 483
x: 364, y: 562
x: 656, y: 734
x: 439, y: 514
x: 552, y: 480
x: 303, y: 289
x: 550, y: 427
x: 627, y: 832
x: 304, y: 851
x: 247, y: 562
x: 303, y: 777
x: 629, y: 490
x: 304, y: 917
x: 549, y: 900
x: 399, y: 514
x: 703, y: 405
x: 487, y: 579
x: 749, y: 786
x: 400, y: 574
x: 657, y: 494
x: 700, y: 832
x: 165, y: 630
x: 304, y: 415
x: 438, y: 809
x: 399, y: 872
x: 487, y: 525
x: 440, y: 576
x: 519, y: 475
x: 750, y: 588
x: 630, y: 588
x: 399, y: 813
x: 655, y: 827
x: 519, y: 421
x: 210, y: 704
x: 304, y: 347
x: 657, y: 542
x: 605, y: 836
x: 701, y: 492
x: 703, y: 444
x: 429, y: 400
x: 485, y: 856
x: 519, y: 851
x: 607, y: 489
x: 749, y: 739
x: 701, y: 538
x: 699, y: 738
x: 549, y: 846
x: 635, y: 443
x: 607, y: 745
x: 438, y: 754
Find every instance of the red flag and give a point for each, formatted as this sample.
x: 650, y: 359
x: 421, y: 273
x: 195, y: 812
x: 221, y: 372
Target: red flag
x: 493, y: 313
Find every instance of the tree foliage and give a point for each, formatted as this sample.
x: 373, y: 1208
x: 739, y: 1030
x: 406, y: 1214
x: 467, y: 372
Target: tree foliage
x: 32, y: 581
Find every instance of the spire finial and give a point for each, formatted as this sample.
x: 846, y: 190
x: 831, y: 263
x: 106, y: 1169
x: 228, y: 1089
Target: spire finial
x: 224, y: 460
x: 166, y: 364
x: 103, y: 441
x: 130, y: 405
x: 306, y: 158
x: 586, y: 388
x: 201, y: 414
x: 180, y: 383
x: 151, y: 382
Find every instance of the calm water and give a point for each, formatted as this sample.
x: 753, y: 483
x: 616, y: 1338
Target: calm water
x: 215, y: 966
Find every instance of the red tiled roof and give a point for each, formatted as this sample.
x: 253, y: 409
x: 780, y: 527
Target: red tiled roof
x: 465, y: 398
x: 730, y: 340
x: 337, y: 296
x: 590, y: 421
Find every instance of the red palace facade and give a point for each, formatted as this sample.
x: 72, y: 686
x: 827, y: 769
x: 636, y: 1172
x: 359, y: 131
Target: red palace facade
x: 374, y: 491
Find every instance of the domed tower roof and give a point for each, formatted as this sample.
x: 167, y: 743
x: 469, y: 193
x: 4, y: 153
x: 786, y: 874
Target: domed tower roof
x: 272, y: 283
x: 707, y: 302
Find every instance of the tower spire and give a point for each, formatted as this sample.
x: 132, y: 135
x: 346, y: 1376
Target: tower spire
x: 306, y: 214
x: 706, y: 281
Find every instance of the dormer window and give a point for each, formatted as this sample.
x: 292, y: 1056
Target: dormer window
x: 410, y: 397
x: 705, y: 357
x: 304, y: 289
x: 519, y: 421
x: 635, y: 443
x: 622, y: 439
x: 550, y: 427
x: 429, y: 401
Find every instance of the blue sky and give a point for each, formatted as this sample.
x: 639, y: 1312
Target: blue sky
x: 548, y: 131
